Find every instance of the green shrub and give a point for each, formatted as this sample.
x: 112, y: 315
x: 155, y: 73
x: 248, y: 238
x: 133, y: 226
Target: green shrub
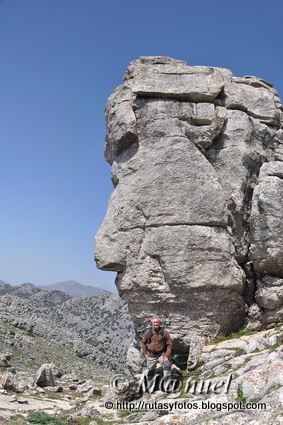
x: 239, y: 352
x: 41, y: 418
x: 240, y: 396
x: 233, y: 335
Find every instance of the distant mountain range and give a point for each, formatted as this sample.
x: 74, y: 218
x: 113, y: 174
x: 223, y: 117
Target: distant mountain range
x: 76, y: 289
x: 69, y: 287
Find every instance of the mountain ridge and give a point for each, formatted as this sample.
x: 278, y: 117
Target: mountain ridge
x: 76, y: 289
x: 69, y: 287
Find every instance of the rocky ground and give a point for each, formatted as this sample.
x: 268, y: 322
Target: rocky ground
x: 83, y: 339
x: 249, y: 363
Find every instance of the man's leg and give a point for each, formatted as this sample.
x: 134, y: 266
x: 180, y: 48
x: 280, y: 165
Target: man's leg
x: 166, y: 365
x: 151, y: 363
x: 146, y: 383
x: 149, y: 377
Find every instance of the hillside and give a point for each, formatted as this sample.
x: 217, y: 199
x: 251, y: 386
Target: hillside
x: 97, y: 328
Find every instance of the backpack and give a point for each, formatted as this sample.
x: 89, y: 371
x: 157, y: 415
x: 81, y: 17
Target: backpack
x: 149, y: 333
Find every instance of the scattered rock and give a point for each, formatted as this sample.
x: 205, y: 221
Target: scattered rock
x: 85, y: 412
x: 4, y: 359
x: 9, y: 382
x: 73, y: 387
x: 22, y: 401
x: 88, y: 387
x: 44, y: 376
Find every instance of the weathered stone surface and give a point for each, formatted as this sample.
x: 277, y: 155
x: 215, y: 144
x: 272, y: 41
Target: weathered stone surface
x: 267, y: 220
x: 5, y: 359
x: 278, y: 145
x: 44, y: 376
x: 134, y: 360
x: 122, y: 123
x: 88, y: 387
x: 256, y: 100
x: 176, y: 80
x: 254, y: 317
x: 237, y: 156
x: 187, y: 145
x: 9, y: 382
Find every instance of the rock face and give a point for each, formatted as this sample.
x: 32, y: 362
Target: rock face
x: 194, y: 224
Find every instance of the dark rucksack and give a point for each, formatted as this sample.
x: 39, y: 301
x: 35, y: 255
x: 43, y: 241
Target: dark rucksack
x: 149, y: 334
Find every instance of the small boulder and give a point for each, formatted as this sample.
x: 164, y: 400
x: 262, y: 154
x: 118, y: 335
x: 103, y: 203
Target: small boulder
x: 88, y: 387
x: 4, y: 359
x: 44, y: 376
x: 13, y: 398
x: 73, y: 387
x: 22, y: 400
x: 9, y: 382
x: 85, y: 412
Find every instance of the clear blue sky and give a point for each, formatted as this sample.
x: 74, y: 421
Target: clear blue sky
x: 60, y: 60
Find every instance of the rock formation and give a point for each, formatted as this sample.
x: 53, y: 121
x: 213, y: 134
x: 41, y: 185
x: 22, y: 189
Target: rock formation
x: 194, y: 224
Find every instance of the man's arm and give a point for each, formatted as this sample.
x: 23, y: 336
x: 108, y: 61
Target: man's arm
x: 143, y: 344
x: 169, y: 344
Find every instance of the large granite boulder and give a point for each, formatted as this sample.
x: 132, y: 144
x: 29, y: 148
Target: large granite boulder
x: 185, y: 230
